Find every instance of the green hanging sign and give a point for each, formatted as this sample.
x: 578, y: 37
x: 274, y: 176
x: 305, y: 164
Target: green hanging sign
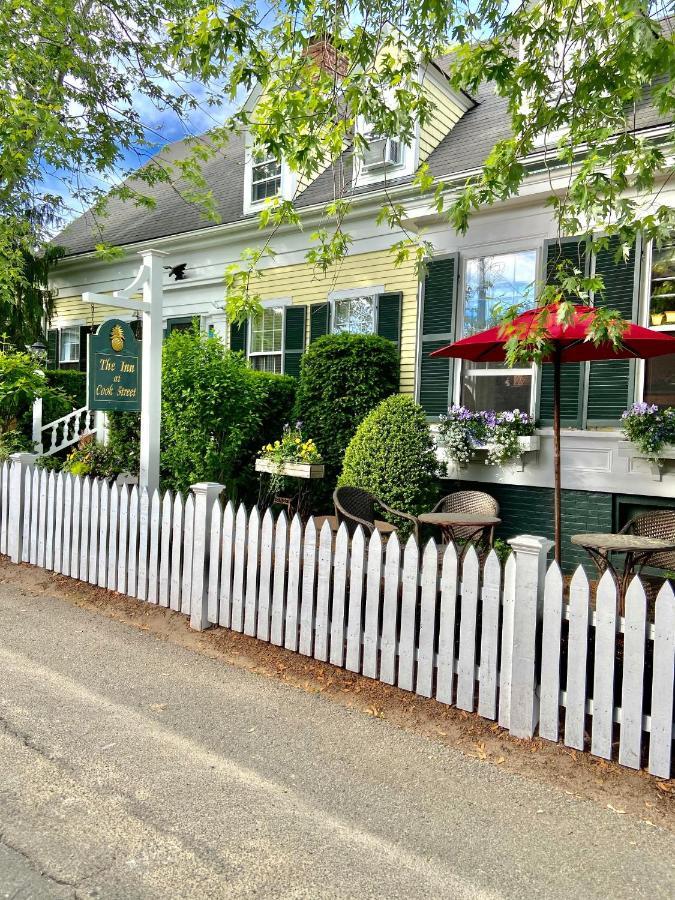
x: 114, y: 368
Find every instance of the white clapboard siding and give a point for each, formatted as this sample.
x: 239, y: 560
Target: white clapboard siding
x: 214, y: 562
x: 355, y: 601
x: 466, y: 667
x: 427, y: 634
x: 123, y: 540
x: 240, y: 537
x: 489, y: 638
x: 226, y: 567
x: 549, y: 705
x: 293, y: 585
x: 324, y: 580
x: 252, y: 563
x: 661, y: 735
x: 603, y: 669
x: 176, y: 553
x: 165, y: 550
x: 337, y: 621
x: 406, y: 641
x: 446, y: 626
x: 103, y: 506
x: 132, y: 556
x: 577, y: 653
x: 371, y: 628
x: 279, y: 589
x: 188, y: 550
x: 306, y: 644
x: 113, y: 529
x: 635, y: 625
x: 265, y: 580
x: 392, y: 569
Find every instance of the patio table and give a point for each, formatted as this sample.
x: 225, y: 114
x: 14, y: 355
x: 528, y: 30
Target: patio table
x: 448, y: 521
x: 637, y: 550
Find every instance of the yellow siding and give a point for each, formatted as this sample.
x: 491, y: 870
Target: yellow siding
x: 72, y: 311
x: 446, y: 113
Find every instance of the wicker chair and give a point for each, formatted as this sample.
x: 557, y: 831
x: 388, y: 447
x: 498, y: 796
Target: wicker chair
x: 470, y: 502
x: 654, y: 524
x: 355, y: 507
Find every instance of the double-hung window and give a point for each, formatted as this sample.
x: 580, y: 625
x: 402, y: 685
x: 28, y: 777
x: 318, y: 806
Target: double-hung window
x: 355, y: 315
x: 492, y: 284
x: 265, y: 177
x: 659, y: 384
x: 70, y: 345
x: 266, y: 340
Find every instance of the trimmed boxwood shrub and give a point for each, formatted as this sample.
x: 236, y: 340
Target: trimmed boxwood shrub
x: 392, y: 455
x: 72, y: 382
x: 342, y: 378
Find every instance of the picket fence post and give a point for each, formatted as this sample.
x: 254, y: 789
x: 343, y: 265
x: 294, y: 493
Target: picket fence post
x: 205, y: 495
x: 20, y: 468
x: 530, y: 554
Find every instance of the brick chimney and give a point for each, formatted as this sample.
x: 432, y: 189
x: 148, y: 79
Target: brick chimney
x: 327, y: 57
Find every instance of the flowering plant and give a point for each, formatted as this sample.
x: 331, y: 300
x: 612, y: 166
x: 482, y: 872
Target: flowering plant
x: 649, y: 428
x: 292, y: 448
x: 464, y: 431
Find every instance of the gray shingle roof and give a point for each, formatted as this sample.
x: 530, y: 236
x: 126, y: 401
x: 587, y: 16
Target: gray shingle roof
x: 464, y: 148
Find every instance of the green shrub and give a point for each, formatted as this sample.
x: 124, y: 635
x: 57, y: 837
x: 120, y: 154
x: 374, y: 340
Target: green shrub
x: 342, y: 378
x: 14, y: 441
x: 124, y: 437
x: 72, y: 382
x: 392, y: 455
x: 94, y: 459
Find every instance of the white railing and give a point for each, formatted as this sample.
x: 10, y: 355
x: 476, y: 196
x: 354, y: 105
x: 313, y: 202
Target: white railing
x: 61, y: 433
x: 508, y: 642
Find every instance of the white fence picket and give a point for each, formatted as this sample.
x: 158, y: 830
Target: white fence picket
x: 94, y: 529
x: 337, y: 619
x: 446, y: 626
x: 113, y: 529
x: 549, y: 701
x: 176, y: 553
x: 103, y: 507
x: 67, y: 524
x: 661, y: 735
x: 4, y: 506
x: 85, y: 520
x: 226, y: 563
x: 143, y: 543
x: 406, y: 641
x: 577, y: 653
x: 132, y: 565
x: 279, y: 590
x: 372, y: 622
x: 240, y: 537
x: 214, y: 561
x: 306, y: 645
x: 25, y: 537
x: 467, y: 631
x: 252, y: 563
x: 293, y: 585
x: 392, y: 569
x: 165, y: 550
x: 74, y: 565
x: 188, y: 549
x: 506, y: 664
x: 489, y: 638
x: 153, y: 556
x: 603, y: 667
x: 323, y: 591
x: 355, y: 601
x: 427, y: 632
x: 58, y: 522
x: 51, y: 514
x: 635, y: 623
x: 123, y: 540
x: 265, y: 591
x: 34, y: 516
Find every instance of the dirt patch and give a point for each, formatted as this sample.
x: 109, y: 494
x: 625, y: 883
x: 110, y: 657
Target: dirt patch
x: 578, y: 774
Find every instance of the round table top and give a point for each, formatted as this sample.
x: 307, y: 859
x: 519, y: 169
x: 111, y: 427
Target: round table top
x: 457, y: 518
x: 622, y: 543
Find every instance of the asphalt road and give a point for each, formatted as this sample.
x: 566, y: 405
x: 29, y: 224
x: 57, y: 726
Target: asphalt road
x: 134, y: 768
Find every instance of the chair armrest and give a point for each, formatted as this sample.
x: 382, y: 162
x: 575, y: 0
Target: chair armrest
x: 402, y: 515
x: 627, y: 529
x: 340, y: 513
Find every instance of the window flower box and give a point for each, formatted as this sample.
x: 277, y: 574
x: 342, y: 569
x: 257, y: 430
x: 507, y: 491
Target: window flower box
x: 289, y: 469
x: 530, y: 443
x: 628, y: 450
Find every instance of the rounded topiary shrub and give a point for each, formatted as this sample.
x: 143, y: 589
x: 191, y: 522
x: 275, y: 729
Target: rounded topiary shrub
x: 392, y: 455
x: 342, y: 378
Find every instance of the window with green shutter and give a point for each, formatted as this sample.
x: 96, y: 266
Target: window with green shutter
x: 53, y: 348
x: 434, y: 376
x: 389, y: 316
x: 319, y: 320
x: 238, y: 332
x: 294, y: 338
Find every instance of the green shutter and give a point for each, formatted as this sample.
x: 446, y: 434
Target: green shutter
x: 53, y: 348
x: 434, y: 377
x: 238, y: 337
x: 610, y: 382
x: 572, y: 375
x: 389, y: 316
x: 294, y: 338
x: 85, y: 331
x: 183, y: 323
x: 319, y: 317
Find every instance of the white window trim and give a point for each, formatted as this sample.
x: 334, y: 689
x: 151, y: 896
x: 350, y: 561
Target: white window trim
x: 69, y: 327
x: 352, y: 294
x: 459, y: 319
x: 644, y: 305
x: 282, y: 303
x: 407, y: 166
x: 289, y: 181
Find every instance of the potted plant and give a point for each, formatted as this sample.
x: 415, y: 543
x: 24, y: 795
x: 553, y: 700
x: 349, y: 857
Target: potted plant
x: 291, y: 456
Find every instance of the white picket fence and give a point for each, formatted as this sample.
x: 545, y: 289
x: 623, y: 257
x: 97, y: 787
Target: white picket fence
x: 507, y: 643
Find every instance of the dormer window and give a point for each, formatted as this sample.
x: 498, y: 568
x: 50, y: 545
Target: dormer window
x: 382, y: 153
x: 265, y: 177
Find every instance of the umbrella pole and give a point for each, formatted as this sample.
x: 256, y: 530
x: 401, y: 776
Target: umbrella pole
x: 557, y: 493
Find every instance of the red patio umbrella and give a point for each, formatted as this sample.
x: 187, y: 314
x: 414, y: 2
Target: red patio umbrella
x: 569, y: 343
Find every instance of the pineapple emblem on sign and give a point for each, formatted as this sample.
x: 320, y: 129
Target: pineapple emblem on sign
x: 117, y: 339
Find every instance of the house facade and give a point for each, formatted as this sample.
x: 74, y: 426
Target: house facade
x: 506, y: 250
